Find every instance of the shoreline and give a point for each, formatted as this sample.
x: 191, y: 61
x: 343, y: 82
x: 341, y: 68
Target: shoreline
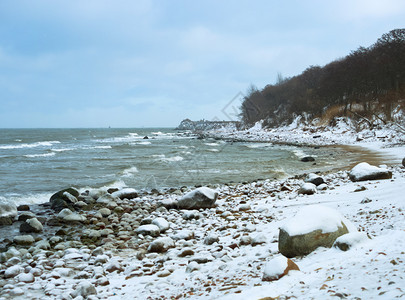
x: 104, y: 254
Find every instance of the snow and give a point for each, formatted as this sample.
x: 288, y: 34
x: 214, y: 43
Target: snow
x: 275, y: 267
x: 316, y: 217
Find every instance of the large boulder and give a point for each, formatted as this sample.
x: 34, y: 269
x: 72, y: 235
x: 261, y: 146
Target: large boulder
x: 278, y: 267
x: 312, y: 227
x: 314, y: 179
x: 64, y: 199
x: 31, y: 225
x: 8, y: 212
x: 126, y: 193
x: 363, y: 171
x: 202, y: 197
x: 149, y: 229
x: 161, y: 245
x: 307, y: 189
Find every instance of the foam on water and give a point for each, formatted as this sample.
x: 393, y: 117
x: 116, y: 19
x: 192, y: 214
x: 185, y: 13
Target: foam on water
x: 27, y: 199
x: 40, y: 155
x: 31, y: 145
x: 130, y: 172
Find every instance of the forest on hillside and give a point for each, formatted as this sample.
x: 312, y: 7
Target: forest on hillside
x: 367, y: 83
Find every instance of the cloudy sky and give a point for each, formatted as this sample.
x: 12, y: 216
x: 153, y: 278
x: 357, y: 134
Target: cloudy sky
x: 145, y: 63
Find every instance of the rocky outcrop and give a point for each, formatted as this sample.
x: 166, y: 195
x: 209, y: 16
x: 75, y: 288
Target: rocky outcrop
x: 202, y: 197
x: 363, y: 171
x: 314, y: 226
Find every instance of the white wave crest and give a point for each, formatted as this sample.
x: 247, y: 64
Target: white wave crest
x: 40, y: 155
x: 130, y: 172
x: 32, y: 145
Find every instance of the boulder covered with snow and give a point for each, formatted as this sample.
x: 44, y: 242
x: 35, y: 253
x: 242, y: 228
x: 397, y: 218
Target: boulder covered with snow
x: 8, y: 212
x: 314, y: 179
x: 202, y: 197
x: 312, y: 227
x: 307, y: 189
x: 363, y: 171
x: 278, y: 267
x: 161, y: 245
x: 64, y: 199
x: 148, y: 229
x: 347, y: 241
x: 31, y: 225
x: 126, y: 193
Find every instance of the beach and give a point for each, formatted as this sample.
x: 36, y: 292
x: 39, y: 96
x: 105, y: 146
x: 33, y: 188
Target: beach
x: 102, y: 251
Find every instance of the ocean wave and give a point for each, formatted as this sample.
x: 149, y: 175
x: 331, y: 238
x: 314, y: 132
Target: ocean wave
x: 141, y: 143
x: 40, y: 155
x: 257, y: 146
x: 163, y: 158
x: 26, y: 199
x: 31, y: 145
x: 212, y: 144
x: 61, y: 149
x: 213, y: 150
x: 130, y: 172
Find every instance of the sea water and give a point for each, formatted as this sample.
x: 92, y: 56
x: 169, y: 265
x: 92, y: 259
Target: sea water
x: 35, y: 163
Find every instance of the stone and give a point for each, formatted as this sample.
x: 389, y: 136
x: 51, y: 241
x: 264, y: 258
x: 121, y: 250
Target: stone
x: 258, y: 239
x: 161, y: 245
x: 314, y: 179
x: 278, y: 267
x: 114, y: 266
x: 307, y: 159
x: 347, y: 241
x: 364, y: 171
x: 23, y: 240
x: 127, y: 193
x: 307, y: 189
x: 161, y: 223
x: 149, y: 229
x: 192, y: 266
x: 202, y: 197
x: 68, y: 216
x: 211, y: 238
x: 312, y: 227
x: 64, y: 199
x: 23, y: 207
x: 191, y: 214
x: 106, y: 199
x: 26, y: 277
x: 31, y: 225
x: 8, y: 212
x: 403, y: 161
x: 105, y: 212
x: 13, y: 271
x: 25, y: 215
x: 84, y: 289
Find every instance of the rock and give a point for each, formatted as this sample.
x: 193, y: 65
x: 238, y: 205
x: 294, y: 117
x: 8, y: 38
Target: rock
x: 169, y: 203
x: 312, y: 227
x: 315, y: 179
x: 149, y: 229
x: 67, y: 215
x: 192, y: 266
x: 25, y: 215
x: 191, y: 214
x: 64, y: 199
x: 211, y: 239
x: 23, y: 240
x: 161, y: 223
x: 307, y: 159
x: 202, y: 197
x: 106, y: 199
x: 183, y: 235
x: 127, y: 193
x: 258, y: 239
x: 31, y: 225
x: 114, y: 266
x: 245, y: 240
x: 186, y: 252
x: 347, y: 241
x: 105, y: 212
x: 84, y: 289
x: 161, y: 245
x: 8, y: 212
x: 13, y: 271
x: 278, y: 267
x: 403, y: 162
x: 23, y: 207
x: 307, y: 189
x: 363, y: 171
x: 26, y: 277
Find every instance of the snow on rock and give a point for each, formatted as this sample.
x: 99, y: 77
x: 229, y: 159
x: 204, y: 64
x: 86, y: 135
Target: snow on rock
x: 363, y: 171
x: 278, y: 267
x: 315, y: 179
x: 84, y: 289
x: 161, y: 223
x: 148, y: 229
x: 202, y: 197
x: 67, y: 215
x: 348, y: 240
x: 307, y: 189
x: 24, y: 239
x: 312, y: 227
x: 31, y: 225
x: 161, y: 245
x: 126, y: 193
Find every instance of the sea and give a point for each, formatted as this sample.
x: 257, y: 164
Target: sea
x: 35, y: 163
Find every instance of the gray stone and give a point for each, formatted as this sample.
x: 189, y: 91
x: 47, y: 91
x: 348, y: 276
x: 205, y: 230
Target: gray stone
x: 23, y: 240
x: 364, y: 171
x: 211, y: 239
x: 8, y: 212
x: 307, y: 189
x: 161, y: 245
x: 64, y: 199
x: 403, y: 162
x: 31, y: 225
x: 84, y: 289
x: 149, y: 229
x: 314, y: 179
x: 202, y: 197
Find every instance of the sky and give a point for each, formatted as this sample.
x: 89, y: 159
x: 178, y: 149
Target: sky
x: 146, y: 63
